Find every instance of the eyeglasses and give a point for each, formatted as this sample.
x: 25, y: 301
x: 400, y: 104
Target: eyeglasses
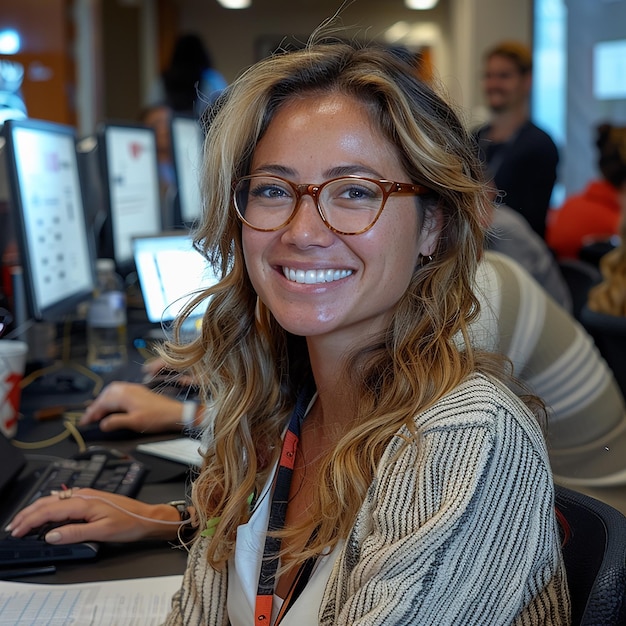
x: 348, y: 206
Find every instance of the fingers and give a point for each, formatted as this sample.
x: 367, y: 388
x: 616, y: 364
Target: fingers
x: 133, y: 406
x: 44, y: 510
x: 115, y: 421
x: 116, y: 397
x: 103, y: 517
x: 70, y: 533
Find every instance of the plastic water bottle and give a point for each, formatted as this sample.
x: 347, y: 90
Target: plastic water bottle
x: 106, y: 320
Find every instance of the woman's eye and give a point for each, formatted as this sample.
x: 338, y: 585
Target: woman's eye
x: 269, y: 192
x: 356, y: 193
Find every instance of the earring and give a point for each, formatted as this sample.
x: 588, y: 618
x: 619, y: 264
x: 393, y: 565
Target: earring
x: 425, y: 259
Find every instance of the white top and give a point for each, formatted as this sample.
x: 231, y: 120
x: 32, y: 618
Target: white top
x: 245, y: 565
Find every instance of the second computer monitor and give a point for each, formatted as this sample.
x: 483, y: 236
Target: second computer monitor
x: 128, y: 155
x: 187, y: 138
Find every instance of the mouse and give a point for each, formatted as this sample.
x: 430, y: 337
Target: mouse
x: 46, y: 527
x: 93, y: 432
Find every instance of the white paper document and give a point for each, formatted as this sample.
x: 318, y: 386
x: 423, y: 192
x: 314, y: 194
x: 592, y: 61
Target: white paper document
x: 132, y: 602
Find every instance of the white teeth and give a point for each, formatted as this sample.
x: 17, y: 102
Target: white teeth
x: 312, y: 277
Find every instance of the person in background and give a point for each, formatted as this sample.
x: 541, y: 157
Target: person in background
x: 595, y: 212
x: 355, y: 437
x: 521, y: 158
x: 609, y: 296
x: 190, y: 82
x: 510, y: 234
x: 159, y: 117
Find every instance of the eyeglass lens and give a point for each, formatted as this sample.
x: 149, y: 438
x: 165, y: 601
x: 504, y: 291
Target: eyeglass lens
x: 349, y: 205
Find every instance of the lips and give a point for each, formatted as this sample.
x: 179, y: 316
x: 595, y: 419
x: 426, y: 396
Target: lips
x: 315, y: 276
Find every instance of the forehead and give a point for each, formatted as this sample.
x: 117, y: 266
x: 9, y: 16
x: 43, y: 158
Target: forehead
x: 327, y: 123
x: 502, y: 64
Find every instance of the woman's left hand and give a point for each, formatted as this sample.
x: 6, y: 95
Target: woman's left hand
x: 99, y: 516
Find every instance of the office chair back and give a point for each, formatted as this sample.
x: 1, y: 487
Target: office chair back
x: 595, y: 248
x: 595, y: 559
x: 609, y: 334
x: 580, y: 277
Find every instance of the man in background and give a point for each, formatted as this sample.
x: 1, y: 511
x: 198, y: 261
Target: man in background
x: 520, y: 157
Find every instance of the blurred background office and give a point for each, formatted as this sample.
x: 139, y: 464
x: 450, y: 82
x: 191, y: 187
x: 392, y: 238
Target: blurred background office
x: 89, y: 60
x: 84, y: 63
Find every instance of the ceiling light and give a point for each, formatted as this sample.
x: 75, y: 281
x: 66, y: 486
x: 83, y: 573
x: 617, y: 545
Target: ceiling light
x: 420, y: 5
x: 235, y: 4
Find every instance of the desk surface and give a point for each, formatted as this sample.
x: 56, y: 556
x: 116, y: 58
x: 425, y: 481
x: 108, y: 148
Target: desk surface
x: 165, y: 481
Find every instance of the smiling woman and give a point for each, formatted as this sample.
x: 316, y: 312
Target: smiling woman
x: 360, y: 451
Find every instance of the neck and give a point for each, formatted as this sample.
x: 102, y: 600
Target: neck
x: 504, y: 124
x: 334, y: 398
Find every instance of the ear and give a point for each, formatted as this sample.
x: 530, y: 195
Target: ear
x: 431, y: 230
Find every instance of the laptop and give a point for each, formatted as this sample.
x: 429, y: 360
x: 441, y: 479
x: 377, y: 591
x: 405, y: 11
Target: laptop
x: 171, y: 271
x: 18, y: 487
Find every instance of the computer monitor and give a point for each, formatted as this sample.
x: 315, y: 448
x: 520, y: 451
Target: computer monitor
x: 164, y: 287
x: 128, y: 157
x: 56, y: 251
x: 187, y: 138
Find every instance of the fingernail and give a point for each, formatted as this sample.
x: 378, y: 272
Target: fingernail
x: 8, y: 528
x: 53, y: 537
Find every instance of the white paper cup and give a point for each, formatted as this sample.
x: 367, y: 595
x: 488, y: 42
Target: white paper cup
x: 12, y: 363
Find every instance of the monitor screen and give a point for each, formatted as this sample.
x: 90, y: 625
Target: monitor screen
x: 609, y: 70
x: 129, y: 159
x: 187, y: 139
x: 165, y: 287
x: 45, y: 193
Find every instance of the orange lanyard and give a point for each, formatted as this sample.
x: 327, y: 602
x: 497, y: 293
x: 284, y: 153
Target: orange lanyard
x: 278, y: 512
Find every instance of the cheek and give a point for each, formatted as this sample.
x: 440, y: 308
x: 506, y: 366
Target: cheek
x: 396, y: 245
x: 251, y: 246
x: 405, y: 238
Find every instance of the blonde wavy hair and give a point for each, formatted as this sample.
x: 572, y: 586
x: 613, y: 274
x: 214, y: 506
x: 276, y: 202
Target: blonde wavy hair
x: 609, y: 296
x: 250, y: 369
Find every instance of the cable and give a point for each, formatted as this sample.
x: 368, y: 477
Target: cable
x: 70, y: 430
x: 143, y: 518
x: 66, y: 350
x: 35, y: 445
x: 180, y: 524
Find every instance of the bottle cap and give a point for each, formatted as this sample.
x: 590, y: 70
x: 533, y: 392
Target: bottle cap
x: 105, y: 265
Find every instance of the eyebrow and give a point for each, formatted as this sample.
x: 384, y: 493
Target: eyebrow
x: 333, y: 172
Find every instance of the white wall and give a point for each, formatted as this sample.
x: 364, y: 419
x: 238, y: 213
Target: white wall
x: 475, y: 26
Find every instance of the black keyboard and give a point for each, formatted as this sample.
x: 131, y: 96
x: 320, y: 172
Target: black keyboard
x: 100, y: 471
x: 124, y: 476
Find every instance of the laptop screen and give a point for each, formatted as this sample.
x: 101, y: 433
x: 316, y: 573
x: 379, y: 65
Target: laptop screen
x: 171, y: 271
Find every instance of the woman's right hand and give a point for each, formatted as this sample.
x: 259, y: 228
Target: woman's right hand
x: 102, y: 517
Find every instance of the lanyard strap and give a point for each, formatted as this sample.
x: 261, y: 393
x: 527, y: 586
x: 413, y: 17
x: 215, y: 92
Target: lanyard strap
x: 278, y: 512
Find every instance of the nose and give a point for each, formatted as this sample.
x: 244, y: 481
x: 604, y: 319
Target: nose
x: 307, y: 227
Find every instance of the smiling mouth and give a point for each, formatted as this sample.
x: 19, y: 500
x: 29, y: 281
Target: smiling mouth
x: 314, y: 277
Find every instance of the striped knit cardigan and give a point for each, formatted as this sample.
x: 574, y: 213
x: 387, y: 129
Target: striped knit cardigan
x: 458, y: 529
